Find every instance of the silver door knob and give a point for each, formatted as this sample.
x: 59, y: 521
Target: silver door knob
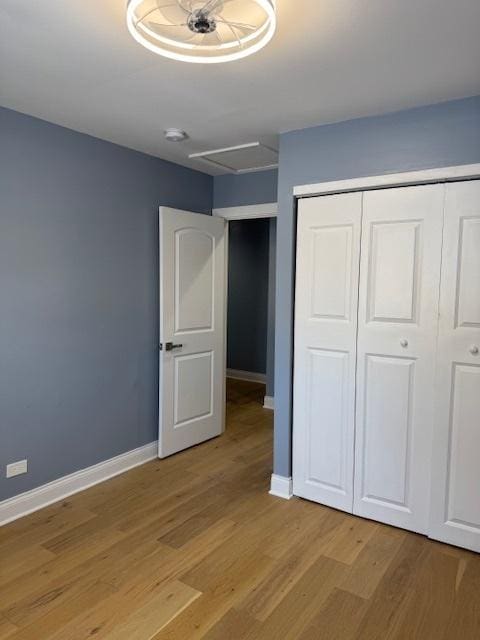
x: 404, y: 343
x: 474, y: 350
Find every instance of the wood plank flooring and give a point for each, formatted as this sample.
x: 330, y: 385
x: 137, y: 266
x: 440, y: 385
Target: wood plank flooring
x: 194, y: 547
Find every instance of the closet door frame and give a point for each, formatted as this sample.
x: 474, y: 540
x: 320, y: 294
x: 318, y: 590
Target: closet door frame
x: 412, y: 178
x: 384, y: 181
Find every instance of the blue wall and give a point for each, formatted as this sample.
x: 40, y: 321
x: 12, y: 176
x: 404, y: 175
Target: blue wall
x: 248, y: 281
x: 79, y: 295
x: 233, y: 190
x: 434, y: 136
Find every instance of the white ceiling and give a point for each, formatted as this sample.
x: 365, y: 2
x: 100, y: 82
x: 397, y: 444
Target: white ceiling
x: 73, y: 62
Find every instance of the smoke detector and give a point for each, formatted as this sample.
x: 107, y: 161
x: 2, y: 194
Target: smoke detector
x: 175, y: 135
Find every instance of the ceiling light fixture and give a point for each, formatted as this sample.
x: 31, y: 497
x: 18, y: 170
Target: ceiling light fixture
x: 204, y: 31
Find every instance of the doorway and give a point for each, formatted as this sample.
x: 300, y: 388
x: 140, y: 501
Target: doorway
x: 250, y: 306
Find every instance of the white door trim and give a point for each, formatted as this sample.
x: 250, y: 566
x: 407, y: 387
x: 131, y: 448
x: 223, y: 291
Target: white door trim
x: 249, y: 212
x: 424, y: 176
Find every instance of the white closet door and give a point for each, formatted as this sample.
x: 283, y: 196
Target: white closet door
x: 397, y: 333
x: 455, y: 514
x: 328, y: 245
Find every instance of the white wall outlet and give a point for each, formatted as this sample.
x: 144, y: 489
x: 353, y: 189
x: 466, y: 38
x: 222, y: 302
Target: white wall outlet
x: 17, y: 468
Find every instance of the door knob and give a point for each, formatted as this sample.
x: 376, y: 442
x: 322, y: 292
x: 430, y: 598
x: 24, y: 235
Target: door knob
x: 474, y: 350
x: 404, y: 343
x: 169, y: 346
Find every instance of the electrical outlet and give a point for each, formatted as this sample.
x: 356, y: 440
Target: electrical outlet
x: 16, y: 468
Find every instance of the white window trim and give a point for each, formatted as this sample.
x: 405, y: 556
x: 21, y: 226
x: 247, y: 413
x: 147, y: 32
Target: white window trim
x: 425, y: 176
x: 249, y: 212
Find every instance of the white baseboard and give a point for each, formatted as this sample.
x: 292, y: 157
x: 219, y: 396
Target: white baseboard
x: 250, y: 376
x: 269, y: 402
x: 281, y: 486
x: 51, y: 492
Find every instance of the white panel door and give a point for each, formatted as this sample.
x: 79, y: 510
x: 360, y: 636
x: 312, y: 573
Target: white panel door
x: 397, y: 333
x: 328, y: 249
x: 455, y: 513
x: 192, y: 329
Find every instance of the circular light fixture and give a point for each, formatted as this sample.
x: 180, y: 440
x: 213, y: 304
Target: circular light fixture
x: 204, y: 31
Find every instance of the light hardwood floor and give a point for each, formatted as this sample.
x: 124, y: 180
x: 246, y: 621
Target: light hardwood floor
x: 194, y: 547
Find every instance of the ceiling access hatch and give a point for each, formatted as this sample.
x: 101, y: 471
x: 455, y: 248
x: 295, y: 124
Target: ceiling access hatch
x: 243, y: 158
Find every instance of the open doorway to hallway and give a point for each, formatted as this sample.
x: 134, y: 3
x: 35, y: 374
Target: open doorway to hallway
x: 251, y: 300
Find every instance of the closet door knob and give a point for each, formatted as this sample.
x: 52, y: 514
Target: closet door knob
x: 474, y: 350
x: 404, y: 343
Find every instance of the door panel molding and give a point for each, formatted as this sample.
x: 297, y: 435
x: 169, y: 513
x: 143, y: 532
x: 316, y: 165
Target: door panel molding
x: 326, y: 301
x: 198, y: 268
x: 387, y: 422
x: 467, y: 306
x: 399, y: 253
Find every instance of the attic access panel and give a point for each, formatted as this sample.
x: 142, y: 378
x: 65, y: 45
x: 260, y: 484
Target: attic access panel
x: 240, y: 159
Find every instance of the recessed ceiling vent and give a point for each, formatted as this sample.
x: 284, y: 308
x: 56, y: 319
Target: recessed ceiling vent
x: 243, y: 158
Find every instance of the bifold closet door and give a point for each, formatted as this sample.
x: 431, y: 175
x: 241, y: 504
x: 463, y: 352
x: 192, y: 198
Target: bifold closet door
x: 397, y: 334
x: 328, y: 248
x: 455, y: 514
